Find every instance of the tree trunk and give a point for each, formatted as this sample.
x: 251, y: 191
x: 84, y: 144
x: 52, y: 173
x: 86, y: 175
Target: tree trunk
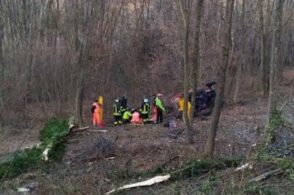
x: 185, y: 7
x: 82, y: 44
x: 79, y: 98
x: 262, y: 77
x: 242, y: 58
x: 275, y: 50
x: 196, y: 54
x: 2, y: 68
x: 209, y: 148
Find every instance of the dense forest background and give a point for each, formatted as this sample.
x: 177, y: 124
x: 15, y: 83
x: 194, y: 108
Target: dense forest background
x: 52, y: 50
x: 58, y: 56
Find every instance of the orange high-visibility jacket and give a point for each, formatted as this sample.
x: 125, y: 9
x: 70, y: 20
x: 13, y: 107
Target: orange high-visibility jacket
x: 97, y: 117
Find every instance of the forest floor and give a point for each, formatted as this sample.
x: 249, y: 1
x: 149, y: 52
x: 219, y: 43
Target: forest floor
x: 95, y: 162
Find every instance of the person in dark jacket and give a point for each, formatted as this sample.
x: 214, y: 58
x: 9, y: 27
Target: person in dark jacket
x: 123, y: 103
x: 145, y: 110
x: 117, y: 114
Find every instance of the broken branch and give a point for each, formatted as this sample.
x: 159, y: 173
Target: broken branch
x: 266, y: 174
x: 149, y: 182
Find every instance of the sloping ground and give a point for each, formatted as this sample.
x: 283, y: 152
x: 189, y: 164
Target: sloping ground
x: 97, y: 162
x: 12, y: 139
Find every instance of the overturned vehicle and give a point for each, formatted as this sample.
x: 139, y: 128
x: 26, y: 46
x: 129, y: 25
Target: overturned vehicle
x: 205, y: 100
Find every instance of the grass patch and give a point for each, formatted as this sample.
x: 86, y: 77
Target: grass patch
x: 52, y: 135
x: 275, y: 122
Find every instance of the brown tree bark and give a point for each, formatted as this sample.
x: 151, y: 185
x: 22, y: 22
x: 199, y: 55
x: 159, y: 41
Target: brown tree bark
x: 262, y: 71
x: 2, y: 66
x: 275, y: 49
x: 209, y: 148
x: 83, y: 62
x: 196, y: 53
x: 242, y: 58
x: 185, y: 7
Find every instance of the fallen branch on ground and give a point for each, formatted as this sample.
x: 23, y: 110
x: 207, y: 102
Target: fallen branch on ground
x: 97, y: 130
x: 204, y: 166
x: 45, y: 154
x: 87, y: 128
x: 266, y: 174
x: 245, y: 166
x: 79, y: 129
x: 149, y: 182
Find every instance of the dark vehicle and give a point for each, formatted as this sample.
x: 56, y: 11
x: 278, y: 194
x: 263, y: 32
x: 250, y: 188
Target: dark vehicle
x: 205, y: 99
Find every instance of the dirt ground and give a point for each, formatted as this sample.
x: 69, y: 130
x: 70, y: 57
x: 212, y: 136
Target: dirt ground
x: 13, y: 139
x: 94, y: 162
x: 104, y: 160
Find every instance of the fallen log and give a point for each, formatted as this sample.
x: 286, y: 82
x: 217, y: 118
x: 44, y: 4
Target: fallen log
x: 149, y: 182
x: 266, y: 174
x: 98, y: 130
x: 87, y: 128
x: 79, y: 129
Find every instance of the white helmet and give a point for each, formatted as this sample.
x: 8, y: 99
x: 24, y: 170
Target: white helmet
x: 146, y: 100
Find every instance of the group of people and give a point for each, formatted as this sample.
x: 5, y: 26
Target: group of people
x: 151, y: 111
x: 148, y: 112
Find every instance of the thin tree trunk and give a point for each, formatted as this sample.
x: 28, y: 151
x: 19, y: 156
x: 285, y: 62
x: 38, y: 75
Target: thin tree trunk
x: 79, y: 98
x: 209, y: 148
x: 239, y: 71
x: 275, y: 50
x: 267, y: 48
x: 263, y: 82
x: 185, y: 7
x: 2, y: 68
x: 196, y: 54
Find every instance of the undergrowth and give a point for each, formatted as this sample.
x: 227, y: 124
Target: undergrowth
x: 51, y: 135
x: 276, y: 121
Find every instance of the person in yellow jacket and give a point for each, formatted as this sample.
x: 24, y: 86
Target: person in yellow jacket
x: 181, y: 103
x: 158, y: 102
x: 127, y: 116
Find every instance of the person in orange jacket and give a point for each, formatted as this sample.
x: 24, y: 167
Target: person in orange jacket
x: 136, y: 119
x: 97, y: 112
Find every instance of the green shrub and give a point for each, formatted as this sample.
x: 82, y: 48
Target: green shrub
x: 51, y: 135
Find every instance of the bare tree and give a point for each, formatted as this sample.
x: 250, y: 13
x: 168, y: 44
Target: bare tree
x: 262, y: 70
x: 196, y: 53
x: 275, y: 61
x: 185, y: 7
x: 242, y: 58
x: 1, y: 62
x: 209, y: 148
